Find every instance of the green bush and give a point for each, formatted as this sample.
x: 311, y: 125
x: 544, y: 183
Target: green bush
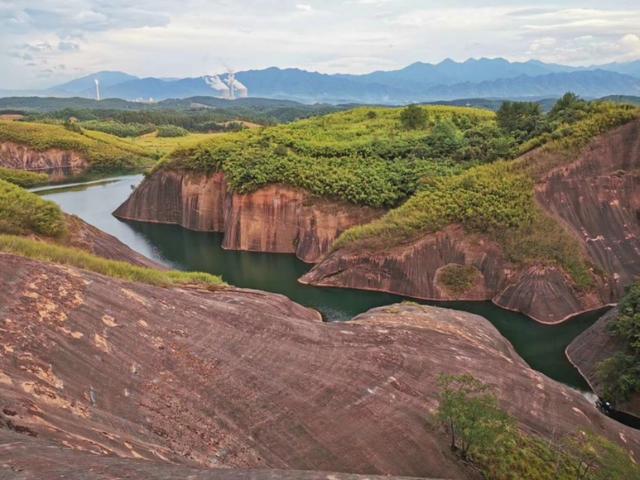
x: 171, y: 131
x: 23, y: 212
x: 483, y: 434
x: 497, y: 199
x: 457, y: 278
x: 413, y: 117
x: 620, y: 374
x: 118, y: 129
x: 23, y: 178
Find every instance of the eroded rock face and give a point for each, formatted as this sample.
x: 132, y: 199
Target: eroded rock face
x: 276, y: 218
x: 25, y: 458
x: 58, y: 164
x: 245, y: 379
x: 544, y: 293
x: 593, y: 346
x: 597, y: 198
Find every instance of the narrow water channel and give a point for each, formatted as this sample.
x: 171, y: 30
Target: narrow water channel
x: 540, y: 345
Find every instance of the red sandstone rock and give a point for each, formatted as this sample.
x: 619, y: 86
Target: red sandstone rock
x: 596, y: 197
x: 275, y: 218
x: 58, y: 164
x: 591, y: 347
x: 89, y: 238
x: 244, y: 379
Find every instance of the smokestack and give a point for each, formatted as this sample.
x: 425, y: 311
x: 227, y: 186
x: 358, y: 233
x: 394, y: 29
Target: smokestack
x: 97, y: 88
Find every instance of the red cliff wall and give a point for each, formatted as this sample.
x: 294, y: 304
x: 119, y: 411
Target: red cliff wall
x: 58, y: 164
x: 275, y: 218
x: 596, y: 197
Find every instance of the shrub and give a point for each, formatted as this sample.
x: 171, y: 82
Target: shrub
x: 172, y: 131
x: 118, y: 129
x: 457, y: 278
x: 349, y: 155
x: 23, y: 178
x: 413, y: 117
x: 22, y: 212
x: 485, y: 435
x: 620, y: 374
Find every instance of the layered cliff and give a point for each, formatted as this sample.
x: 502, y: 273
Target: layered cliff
x: 110, y: 372
x: 275, y: 218
x: 55, y: 162
x: 595, y: 197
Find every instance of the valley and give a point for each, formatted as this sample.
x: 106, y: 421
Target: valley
x: 204, y: 300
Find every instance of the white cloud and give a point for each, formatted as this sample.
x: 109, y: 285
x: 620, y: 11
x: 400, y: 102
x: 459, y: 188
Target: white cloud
x: 193, y: 37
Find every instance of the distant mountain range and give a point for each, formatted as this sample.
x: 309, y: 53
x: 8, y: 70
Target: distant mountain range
x: 418, y: 82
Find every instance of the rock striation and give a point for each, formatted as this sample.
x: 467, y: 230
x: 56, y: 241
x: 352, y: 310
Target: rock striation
x: 275, y: 218
x: 596, y: 197
x: 58, y: 164
x: 102, y: 372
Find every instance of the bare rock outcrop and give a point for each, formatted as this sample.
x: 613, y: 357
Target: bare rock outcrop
x: 593, y: 346
x: 58, y: 164
x: 115, y: 372
x: 275, y: 218
x: 596, y: 198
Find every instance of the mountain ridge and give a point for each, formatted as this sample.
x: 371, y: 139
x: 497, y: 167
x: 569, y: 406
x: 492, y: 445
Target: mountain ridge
x: 417, y: 82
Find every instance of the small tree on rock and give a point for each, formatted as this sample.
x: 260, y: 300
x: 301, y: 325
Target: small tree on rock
x: 471, y: 413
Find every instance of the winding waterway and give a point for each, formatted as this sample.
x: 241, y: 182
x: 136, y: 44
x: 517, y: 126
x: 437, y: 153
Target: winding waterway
x: 541, y: 346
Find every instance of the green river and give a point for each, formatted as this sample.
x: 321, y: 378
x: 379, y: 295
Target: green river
x: 540, y: 345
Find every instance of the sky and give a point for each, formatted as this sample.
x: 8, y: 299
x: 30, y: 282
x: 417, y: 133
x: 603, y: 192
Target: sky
x: 45, y: 42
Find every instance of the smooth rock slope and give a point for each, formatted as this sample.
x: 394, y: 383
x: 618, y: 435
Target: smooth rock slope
x: 107, y: 373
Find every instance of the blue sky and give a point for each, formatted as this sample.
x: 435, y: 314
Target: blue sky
x: 47, y: 41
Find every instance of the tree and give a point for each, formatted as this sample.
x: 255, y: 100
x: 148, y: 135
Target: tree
x: 413, y: 117
x: 593, y: 457
x: 522, y: 120
x: 445, y: 139
x: 569, y: 109
x: 471, y: 413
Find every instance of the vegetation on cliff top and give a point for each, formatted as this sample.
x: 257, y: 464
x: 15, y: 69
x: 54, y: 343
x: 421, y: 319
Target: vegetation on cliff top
x: 366, y: 155
x: 620, y: 374
x: 105, y: 153
x: 22, y: 212
x: 483, y: 434
x: 79, y: 258
x: 497, y: 199
x: 23, y: 178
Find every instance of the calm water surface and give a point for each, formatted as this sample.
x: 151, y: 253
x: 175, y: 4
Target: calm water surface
x: 541, y: 346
